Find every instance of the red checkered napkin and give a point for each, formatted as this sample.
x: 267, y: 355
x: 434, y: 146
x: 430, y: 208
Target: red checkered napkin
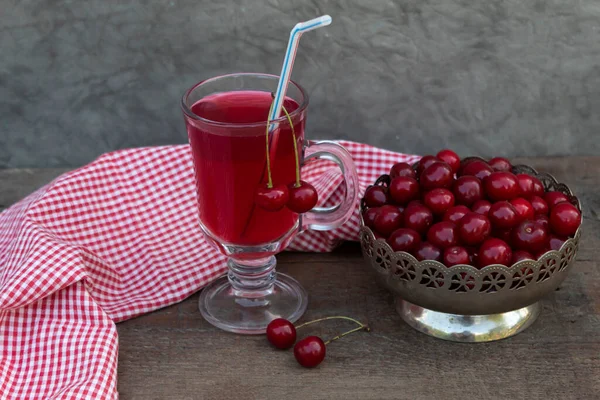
x: 110, y: 241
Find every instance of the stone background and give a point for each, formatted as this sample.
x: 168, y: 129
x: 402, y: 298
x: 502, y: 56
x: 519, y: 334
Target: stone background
x: 515, y: 77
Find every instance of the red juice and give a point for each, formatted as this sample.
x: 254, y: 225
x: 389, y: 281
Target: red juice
x: 230, y: 164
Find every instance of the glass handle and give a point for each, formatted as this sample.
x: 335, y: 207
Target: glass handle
x: 328, y: 218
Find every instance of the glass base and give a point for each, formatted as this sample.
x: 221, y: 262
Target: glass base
x: 467, y: 328
x: 227, y: 309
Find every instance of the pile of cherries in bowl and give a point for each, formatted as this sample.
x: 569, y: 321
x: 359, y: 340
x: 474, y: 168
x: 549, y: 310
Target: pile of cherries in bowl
x: 468, y: 212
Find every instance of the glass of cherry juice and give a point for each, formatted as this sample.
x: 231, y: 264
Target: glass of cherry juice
x: 226, y: 120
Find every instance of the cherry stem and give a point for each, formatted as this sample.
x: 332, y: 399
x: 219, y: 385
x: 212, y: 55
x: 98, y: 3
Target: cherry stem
x: 328, y: 318
x: 295, y: 146
x: 270, y: 179
x: 360, y: 328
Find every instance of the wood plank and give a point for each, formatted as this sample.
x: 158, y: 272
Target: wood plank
x: 174, y: 354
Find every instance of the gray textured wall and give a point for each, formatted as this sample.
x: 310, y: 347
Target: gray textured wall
x: 517, y: 77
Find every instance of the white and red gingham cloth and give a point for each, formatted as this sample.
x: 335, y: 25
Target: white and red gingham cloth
x: 110, y: 241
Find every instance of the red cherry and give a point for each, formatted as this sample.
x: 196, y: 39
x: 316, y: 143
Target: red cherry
x: 404, y: 239
x: 463, y: 164
x: 494, y: 251
x: 388, y: 219
x: 473, y: 228
x: 526, y: 184
x: 418, y: 217
x: 302, y: 198
x: 539, y: 205
x: 378, y: 235
x: 565, y: 219
x: 543, y: 220
x: 439, y: 200
x: 555, y: 242
x: 473, y: 254
x: 456, y: 255
x: 455, y: 213
x: 503, y: 215
x: 478, y: 169
x: 501, y: 186
x: 554, y: 198
x: 403, y: 189
x: 425, y: 162
x: 443, y: 234
x: 369, y: 216
x: 402, y: 169
x: 281, y: 333
x: 521, y: 255
x: 467, y: 190
x: 530, y: 236
x: 524, y: 209
x: 427, y: 251
x: 310, y: 351
x: 414, y: 203
x: 450, y: 158
x: 481, y: 207
x: 437, y: 175
x: 500, y: 164
x: 538, y: 187
x: 271, y: 199
x: 540, y: 253
x: 376, y: 196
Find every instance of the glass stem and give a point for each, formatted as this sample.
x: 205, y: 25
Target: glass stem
x: 252, y: 279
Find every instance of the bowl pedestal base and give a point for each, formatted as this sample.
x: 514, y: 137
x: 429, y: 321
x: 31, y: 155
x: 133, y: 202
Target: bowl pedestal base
x: 467, y: 328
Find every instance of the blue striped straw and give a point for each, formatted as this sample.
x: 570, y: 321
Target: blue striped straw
x: 290, y: 56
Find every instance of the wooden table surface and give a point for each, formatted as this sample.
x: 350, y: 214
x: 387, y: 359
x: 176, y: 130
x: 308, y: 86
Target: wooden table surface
x: 174, y: 354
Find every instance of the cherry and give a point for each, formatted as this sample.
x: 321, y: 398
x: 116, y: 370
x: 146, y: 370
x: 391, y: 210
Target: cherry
x: 403, y: 189
x: 369, y: 216
x: 389, y: 218
x: 404, y: 239
x: 478, y: 169
x: 473, y: 229
x: 501, y: 186
x: 473, y: 254
x: 539, y: 205
x: 467, y: 190
x: 378, y: 235
x: 456, y: 255
x: 565, y: 219
x: 521, y: 255
x: 455, y: 213
x: 310, y: 351
x: 439, y: 200
x: 427, y: 251
x: 524, y: 208
x: 414, y: 203
x: 437, y: 175
x: 443, y: 234
x: 540, y: 253
x: 418, y: 217
x: 554, y: 198
x: 481, y: 207
x: 303, y: 197
x: 463, y: 164
x: 530, y: 236
x: 402, y: 169
x: 425, y: 162
x: 555, y: 242
x: 543, y: 220
x: 281, y: 333
x: 450, y: 158
x: 500, y: 164
x: 525, y: 184
x: 538, y: 187
x: 272, y: 198
x: 503, y: 215
x: 376, y: 196
x: 494, y: 251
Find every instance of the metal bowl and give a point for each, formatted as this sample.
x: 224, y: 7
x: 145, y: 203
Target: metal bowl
x: 465, y: 303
